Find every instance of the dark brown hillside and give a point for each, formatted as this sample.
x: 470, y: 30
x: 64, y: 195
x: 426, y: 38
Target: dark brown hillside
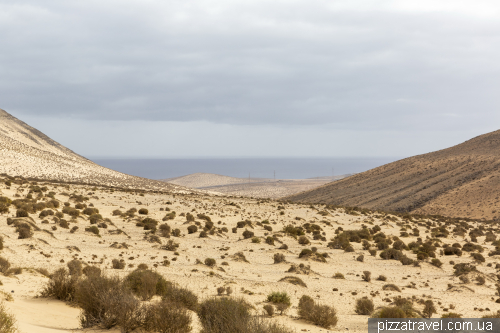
x: 461, y: 181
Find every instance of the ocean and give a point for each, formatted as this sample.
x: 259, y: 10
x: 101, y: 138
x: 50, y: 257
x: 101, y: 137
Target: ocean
x: 283, y: 168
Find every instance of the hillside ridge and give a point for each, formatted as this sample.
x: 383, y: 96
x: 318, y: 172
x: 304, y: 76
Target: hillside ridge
x: 460, y: 181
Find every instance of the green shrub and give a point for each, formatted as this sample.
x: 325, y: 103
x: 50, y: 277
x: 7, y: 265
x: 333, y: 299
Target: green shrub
x: 93, y: 229
x: 436, y: 262
x: 279, y: 297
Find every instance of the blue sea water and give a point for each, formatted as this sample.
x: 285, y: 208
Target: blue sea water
x: 285, y: 168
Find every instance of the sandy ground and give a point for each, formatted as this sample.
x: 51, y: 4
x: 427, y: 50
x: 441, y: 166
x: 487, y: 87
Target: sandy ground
x: 250, y: 187
x: 254, y: 279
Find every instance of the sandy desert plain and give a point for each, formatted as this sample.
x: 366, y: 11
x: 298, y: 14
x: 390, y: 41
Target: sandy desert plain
x: 258, y: 247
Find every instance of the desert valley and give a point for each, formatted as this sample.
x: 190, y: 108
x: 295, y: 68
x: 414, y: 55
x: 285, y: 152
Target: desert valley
x: 89, y: 249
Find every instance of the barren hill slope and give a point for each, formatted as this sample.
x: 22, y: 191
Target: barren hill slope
x: 27, y: 152
x: 461, y: 181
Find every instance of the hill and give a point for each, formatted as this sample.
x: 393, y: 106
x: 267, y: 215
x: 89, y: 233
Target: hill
x: 27, y: 152
x: 461, y: 181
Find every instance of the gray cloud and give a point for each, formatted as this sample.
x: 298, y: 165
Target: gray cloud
x: 350, y: 64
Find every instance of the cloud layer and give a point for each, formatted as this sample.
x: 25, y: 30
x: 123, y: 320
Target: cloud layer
x: 349, y: 65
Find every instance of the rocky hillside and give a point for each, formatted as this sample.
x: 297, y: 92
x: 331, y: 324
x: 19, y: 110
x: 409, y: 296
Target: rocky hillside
x: 27, y: 152
x: 461, y: 181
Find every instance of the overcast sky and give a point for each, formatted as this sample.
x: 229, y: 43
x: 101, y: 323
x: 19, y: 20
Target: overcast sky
x: 181, y: 78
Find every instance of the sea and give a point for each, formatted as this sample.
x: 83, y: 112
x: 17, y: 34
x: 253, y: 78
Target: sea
x: 278, y: 168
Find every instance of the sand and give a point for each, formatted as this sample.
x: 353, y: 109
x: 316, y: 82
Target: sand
x: 253, y: 280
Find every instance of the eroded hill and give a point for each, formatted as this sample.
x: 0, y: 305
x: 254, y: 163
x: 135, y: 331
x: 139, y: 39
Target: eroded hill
x: 461, y: 181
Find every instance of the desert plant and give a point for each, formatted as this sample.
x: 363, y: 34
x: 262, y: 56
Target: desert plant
x: 143, y: 211
x: 436, y: 262
x: 7, y: 321
x: 367, y: 276
x: 4, y: 265
x: 248, y: 234
x: 364, y: 306
x: 391, y: 312
x: 269, y: 309
x: 429, y: 308
x: 391, y: 287
x: 382, y: 278
x: 118, y: 264
x: 361, y: 258
x: 166, y: 317
x: 270, y: 240
x: 451, y: 315
x: 210, y: 262
x: 224, y: 314
x: 192, y: 229
x: 178, y: 295
x: 321, y: 315
x: 303, y: 240
x: 338, y: 276
x: 145, y: 283
x: 61, y: 286
x: 75, y: 267
x: 279, y: 297
x: 279, y: 258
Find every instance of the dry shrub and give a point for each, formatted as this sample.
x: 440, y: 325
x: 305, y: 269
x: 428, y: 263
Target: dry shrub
x: 279, y: 258
x: 210, y: 262
x: 322, y: 315
x: 61, y: 286
x: 4, y: 265
x: 117, y: 264
x: 451, y: 315
x: 429, y: 309
x: 91, y: 270
x: 269, y: 309
x: 145, y: 283
x: 175, y: 294
x: 382, y: 278
x: 104, y: 300
x: 391, y: 287
x: 75, y: 267
x: 338, y: 276
x: 7, y: 321
x: 391, y: 312
x: 364, y: 306
x: 166, y: 317
x: 367, y: 276
x: 294, y: 280
x: 221, y: 315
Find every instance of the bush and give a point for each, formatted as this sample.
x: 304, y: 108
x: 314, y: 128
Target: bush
x: 166, y: 317
x: 382, y: 278
x: 93, y: 229
x: 451, y: 315
x: 117, y: 264
x: 248, y: 234
x: 270, y: 240
x: 338, y: 276
x: 303, y: 240
x: 321, y: 315
x: 391, y: 287
x: 279, y: 258
x: 75, y: 267
x: 210, y: 262
x: 192, y: 229
x: 391, y: 312
x: 429, y: 309
x: 279, y: 297
x: 361, y: 258
x: 145, y: 283
x: 364, y: 306
x: 367, y: 276
x: 4, y: 265
x: 436, y: 262
x: 183, y: 296
x: 269, y: 309
x: 7, y: 321
x: 463, y: 268
x: 61, y: 286
x: 203, y: 234
x: 24, y: 230
x: 21, y: 213
x: 143, y: 211
x: 224, y: 314
x: 105, y: 302
x: 256, y: 240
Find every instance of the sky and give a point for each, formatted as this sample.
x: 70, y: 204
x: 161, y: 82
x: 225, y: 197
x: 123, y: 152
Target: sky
x: 248, y: 78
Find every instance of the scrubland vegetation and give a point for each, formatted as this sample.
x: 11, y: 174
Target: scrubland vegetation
x: 164, y: 262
